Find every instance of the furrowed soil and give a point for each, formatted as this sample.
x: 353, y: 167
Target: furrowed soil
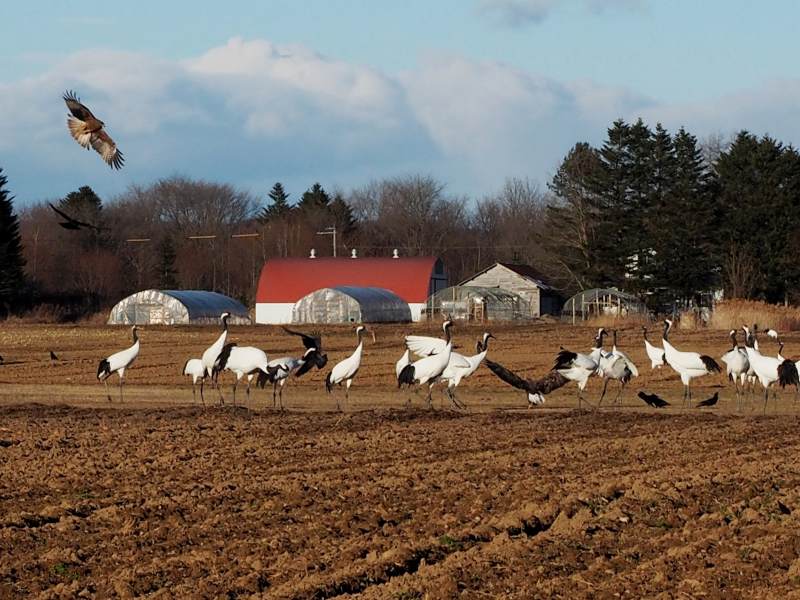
x: 161, y: 497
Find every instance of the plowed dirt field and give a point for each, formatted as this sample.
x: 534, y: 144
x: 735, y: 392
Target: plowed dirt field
x: 157, y: 497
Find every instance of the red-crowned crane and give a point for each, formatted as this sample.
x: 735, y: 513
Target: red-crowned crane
x: 687, y: 364
x: 344, y: 371
x: 241, y: 361
x: 436, y: 354
x: 194, y: 368
x: 118, y: 362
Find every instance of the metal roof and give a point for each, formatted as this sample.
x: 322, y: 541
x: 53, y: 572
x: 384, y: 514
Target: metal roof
x: 203, y: 304
x: 289, y: 279
x: 171, y: 307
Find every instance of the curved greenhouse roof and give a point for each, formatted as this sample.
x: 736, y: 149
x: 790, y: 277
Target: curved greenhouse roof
x: 601, y: 301
x: 173, y: 307
x: 351, y: 304
x: 471, y: 302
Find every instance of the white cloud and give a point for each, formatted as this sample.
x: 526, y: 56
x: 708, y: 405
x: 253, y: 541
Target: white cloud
x: 251, y: 113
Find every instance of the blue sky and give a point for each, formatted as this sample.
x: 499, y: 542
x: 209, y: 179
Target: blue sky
x: 469, y: 91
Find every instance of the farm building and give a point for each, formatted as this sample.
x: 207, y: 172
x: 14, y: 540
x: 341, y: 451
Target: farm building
x: 474, y: 303
x: 346, y: 304
x: 176, y: 307
x: 601, y: 302
x: 284, y: 281
x: 522, y: 280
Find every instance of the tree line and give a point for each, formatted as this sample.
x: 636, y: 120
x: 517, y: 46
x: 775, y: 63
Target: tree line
x: 651, y: 212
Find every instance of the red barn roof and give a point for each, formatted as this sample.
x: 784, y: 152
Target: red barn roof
x: 289, y: 279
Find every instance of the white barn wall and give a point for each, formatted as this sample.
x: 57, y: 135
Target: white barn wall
x: 274, y: 313
x: 417, y: 309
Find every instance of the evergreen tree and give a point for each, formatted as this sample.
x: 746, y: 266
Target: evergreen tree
x: 614, y: 230
x: 342, y: 216
x: 84, y: 205
x: 279, y: 207
x: 759, y: 183
x: 688, y: 257
x: 572, y: 222
x: 12, y: 263
x: 314, y: 199
x: 167, y: 273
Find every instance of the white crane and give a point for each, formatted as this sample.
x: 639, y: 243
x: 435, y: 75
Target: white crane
x: 402, y: 362
x: 118, y: 362
x: 211, y: 354
x: 437, y: 354
x: 454, y: 373
x: 194, y: 368
x: 241, y: 361
x: 737, y: 366
x: 578, y: 367
x: 618, y: 366
x: 279, y: 369
x: 344, y: 371
x: 654, y: 353
x: 769, y: 369
x: 687, y: 364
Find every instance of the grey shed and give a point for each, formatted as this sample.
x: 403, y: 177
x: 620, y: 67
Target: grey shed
x: 177, y: 307
x: 349, y: 304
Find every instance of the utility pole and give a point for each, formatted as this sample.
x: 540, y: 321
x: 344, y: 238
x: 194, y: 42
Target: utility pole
x: 330, y: 231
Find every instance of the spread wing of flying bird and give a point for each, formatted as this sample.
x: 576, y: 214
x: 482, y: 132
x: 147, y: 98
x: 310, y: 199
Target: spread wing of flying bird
x: 709, y: 401
x: 71, y: 223
x: 87, y: 130
x: 653, y: 400
x: 310, y: 340
x: 536, y: 388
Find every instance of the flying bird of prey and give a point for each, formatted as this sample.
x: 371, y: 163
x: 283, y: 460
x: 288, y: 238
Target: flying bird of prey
x: 709, y: 401
x: 653, y: 400
x: 88, y: 130
x: 536, y: 388
x: 71, y: 223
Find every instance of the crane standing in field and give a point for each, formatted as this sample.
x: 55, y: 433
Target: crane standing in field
x: 211, y: 354
x: 654, y: 353
x: 737, y: 366
x: 241, y: 361
x: 436, y: 353
x: 687, y: 364
x: 769, y: 369
x: 117, y: 363
x: 344, y: 371
x: 279, y: 369
x: 194, y: 368
x: 455, y: 373
x: 618, y: 366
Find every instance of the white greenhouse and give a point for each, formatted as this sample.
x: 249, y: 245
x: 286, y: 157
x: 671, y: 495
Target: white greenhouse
x: 348, y: 304
x: 177, y: 307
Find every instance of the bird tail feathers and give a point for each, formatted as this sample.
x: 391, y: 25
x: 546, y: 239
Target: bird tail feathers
x: 406, y: 376
x: 103, y: 370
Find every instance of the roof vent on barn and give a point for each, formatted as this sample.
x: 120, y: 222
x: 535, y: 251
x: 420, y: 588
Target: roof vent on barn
x: 313, y: 254
x: 353, y: 253
x: 395, y: 253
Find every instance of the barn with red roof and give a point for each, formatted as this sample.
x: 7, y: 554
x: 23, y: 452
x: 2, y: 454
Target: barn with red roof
x: 284, y: 281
